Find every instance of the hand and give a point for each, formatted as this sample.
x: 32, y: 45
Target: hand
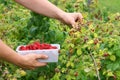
x: 30, y: 61
x: 71, y: 18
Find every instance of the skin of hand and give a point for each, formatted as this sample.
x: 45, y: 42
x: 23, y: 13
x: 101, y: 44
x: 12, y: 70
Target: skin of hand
x: 46, y: 8
x: 24, y: 61
x: 30, y: 61
x: 71, y: 18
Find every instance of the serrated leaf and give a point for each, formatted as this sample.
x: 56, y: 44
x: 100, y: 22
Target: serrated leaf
x: 118, y: 73
x: 33, y: 30
x: 95, y: 35
x: 87, y: 69
x: 98, y: 46
x: 79, y: 52
x: 109, y: 66
x: 63, y: 70
x: 117, y: 53
x: 68, y: 64
x: 72, y: 64
x: 41, y: 78
x: 110, y: 74
x: 71, y: 45
x: 112, y: 57
x: 115, y: 66
x: 91, y: 26
x: 104, y: 72
x: 90, y: 42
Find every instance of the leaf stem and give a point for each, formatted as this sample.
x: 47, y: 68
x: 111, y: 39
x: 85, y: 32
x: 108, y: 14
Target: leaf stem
x: 95, y: 65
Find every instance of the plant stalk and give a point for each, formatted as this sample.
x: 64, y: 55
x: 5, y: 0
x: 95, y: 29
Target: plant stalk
x: 95, y: 65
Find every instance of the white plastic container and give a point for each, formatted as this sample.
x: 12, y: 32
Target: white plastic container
x: 51, y: 53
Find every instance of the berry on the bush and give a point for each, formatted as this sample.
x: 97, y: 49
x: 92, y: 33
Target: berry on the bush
x: 105, y: 54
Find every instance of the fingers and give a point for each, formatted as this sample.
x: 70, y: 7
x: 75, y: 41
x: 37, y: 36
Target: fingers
x: 34, y: 66
x: 40, y: 64
x: 30, y: 61
x: 41, y: 56
x: 77, y: 17
x: 80, y: 17
x: 73, y: 24
x: 29, y: 68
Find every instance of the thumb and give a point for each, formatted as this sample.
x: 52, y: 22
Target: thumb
x: 41, y: 56
x: 73, y: 23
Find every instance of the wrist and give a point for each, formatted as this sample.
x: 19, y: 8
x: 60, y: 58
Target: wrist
x: 61, y: 15
x: 19, y: 60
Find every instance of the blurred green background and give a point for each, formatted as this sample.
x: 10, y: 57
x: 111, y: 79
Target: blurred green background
x: 111, y: 5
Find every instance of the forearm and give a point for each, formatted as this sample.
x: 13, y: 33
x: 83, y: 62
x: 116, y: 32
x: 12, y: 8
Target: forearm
x: 43, y: 7
x: 7, y: 54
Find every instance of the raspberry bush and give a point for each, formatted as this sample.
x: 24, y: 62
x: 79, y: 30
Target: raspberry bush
x: 88, y: 53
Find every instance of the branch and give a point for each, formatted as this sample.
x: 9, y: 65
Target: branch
x: 95, y: 65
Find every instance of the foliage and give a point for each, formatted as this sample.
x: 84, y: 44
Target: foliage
x: 114, y: 8
x: 95, y: 46
x: 90, y: 52
x: 44, y: 29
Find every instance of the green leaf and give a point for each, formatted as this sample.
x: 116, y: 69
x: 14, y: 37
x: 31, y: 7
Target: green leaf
x: 56, y: 76
x: 90, y: 42
x: 33, y: 30
x: 117, y: 53
x: 41, y: 78
x: 118, y: 73
x: 110, y: 74
x: 109, y: 66
x: 72, y: 65
x: 71, y: 45
x: 115, y: 66
x: 68, y: 64
x: 63, y: 70
x: 79, y: 52
x: 112, y: 57
x: 95, y: 35
x: 87, y: 69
